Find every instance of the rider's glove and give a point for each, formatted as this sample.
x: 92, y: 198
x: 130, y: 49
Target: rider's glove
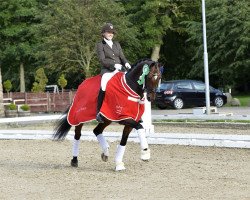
x: 127, y: 65
x: 118, y: 66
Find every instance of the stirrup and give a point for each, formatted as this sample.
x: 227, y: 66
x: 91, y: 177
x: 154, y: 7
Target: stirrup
x: 99, y: 118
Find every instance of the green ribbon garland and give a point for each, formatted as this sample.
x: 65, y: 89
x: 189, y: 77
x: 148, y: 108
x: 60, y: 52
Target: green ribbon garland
x: 145, y: 72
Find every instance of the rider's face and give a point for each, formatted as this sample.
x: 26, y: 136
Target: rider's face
x: 109, y: 35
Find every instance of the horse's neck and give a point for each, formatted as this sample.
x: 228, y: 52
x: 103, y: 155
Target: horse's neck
x: 131, y: 79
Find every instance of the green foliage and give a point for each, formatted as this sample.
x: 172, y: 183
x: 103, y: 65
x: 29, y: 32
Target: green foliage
x: 244, y: 99
x: 17, y: 26
x: 12, y: 106
x: 152, y: 19
x: 62, y: 81
x: 25, y: 107
x: 40, y: 81
x: 7, y: 85
x: 73, y: 28
x: 62, y: 35
x: 176, y: 53
x: 18, y: 20
x: 228, y: 40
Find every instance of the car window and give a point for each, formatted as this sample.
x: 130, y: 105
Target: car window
x: 183, y: 85
x: 199, y: 86
x: 165, y: 86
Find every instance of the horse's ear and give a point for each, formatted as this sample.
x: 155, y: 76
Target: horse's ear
x: 150, y: 63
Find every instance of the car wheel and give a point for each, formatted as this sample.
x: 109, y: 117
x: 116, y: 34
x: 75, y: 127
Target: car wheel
x: 218, y: 102
x: 178, y: 103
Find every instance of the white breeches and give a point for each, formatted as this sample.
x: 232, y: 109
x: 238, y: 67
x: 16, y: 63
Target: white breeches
x: 105, y: 78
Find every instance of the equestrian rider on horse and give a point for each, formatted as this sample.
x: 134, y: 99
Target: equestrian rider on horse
x: 112, y: 59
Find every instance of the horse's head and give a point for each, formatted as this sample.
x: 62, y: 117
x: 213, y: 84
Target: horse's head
x: 152, y: 80
x: 144, y: 76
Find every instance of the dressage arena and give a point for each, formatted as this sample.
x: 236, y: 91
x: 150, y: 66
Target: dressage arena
x: 40, y: 169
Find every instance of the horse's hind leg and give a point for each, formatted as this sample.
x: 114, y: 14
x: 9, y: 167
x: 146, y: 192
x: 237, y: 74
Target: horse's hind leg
x: 101, y: 139
x: 75, y: 148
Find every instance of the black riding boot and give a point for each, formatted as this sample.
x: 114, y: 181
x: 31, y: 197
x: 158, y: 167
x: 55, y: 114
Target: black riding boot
x: 100, y: 98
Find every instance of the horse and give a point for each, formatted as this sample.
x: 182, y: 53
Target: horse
x: 143, y: 77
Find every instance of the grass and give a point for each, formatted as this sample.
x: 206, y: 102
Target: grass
x: 244, y: 99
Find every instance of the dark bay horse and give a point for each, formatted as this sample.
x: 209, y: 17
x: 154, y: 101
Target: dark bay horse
x: 143, y: 77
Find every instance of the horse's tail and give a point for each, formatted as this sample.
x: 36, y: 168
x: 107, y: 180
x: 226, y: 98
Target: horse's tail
x: 62, y: 127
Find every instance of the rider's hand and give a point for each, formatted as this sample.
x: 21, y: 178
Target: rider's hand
x: 127, y: 65
x: 118, y: 66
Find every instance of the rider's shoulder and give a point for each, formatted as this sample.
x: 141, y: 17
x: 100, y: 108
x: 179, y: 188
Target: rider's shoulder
x: 116, y: 43
x: 101, y: 42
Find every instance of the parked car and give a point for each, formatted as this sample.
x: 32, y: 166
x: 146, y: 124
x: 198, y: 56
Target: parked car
x: 187, y: 93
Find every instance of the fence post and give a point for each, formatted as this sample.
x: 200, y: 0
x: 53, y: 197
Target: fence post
x: 25, y: 98
x: 71, y: 97
x: 48, y: 103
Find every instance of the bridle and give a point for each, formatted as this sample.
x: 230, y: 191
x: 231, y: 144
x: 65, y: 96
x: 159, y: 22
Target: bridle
x: 153, y: 76
x: 147, y: 73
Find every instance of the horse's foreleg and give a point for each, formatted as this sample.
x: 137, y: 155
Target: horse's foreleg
x: 102, y: 141
x: 75, y: 147
x: 145, y: 151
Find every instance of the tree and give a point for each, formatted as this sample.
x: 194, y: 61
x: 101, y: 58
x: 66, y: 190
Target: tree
x: 40, y: 81
x: 1, y: 95
x: 73, y: 28
x: 62, y: 82
x: 7, y: 86
x: 176, y: 53
x: 228, y: 39
x: 153, y: 19
x: 17, y: 21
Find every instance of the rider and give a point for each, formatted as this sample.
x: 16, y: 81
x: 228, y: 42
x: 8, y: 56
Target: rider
x: 112, y: 59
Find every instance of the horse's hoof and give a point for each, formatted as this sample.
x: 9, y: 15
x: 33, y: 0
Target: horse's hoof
x: 145, y: 155
x: 119, y: 166
x: 74, y: 163
x: 104, y: 158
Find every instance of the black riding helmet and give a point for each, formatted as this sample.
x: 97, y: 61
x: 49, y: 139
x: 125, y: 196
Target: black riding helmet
x: 108, y: 27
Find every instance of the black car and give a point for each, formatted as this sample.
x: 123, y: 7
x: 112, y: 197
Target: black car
x: 187, y: 93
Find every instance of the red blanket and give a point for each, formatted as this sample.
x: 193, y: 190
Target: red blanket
x: 83, y: 108
x: 120, y: 101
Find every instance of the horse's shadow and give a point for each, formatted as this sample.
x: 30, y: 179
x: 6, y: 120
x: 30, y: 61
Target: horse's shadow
x: 41, y: 166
